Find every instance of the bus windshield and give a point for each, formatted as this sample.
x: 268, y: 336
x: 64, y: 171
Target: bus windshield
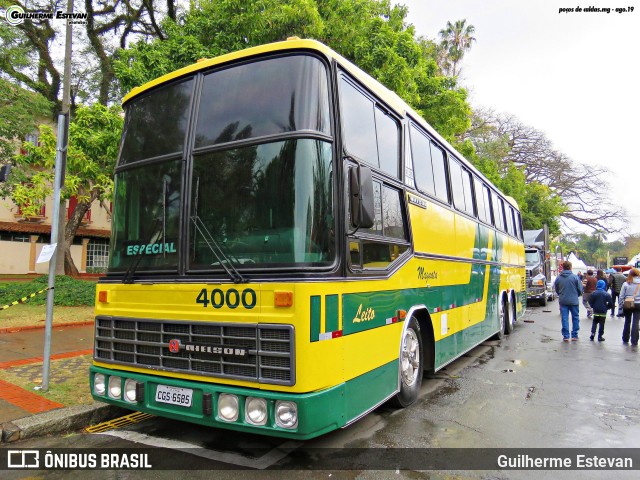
x: 532, y: 257
x: 269, y: 204
x: 259, y: 192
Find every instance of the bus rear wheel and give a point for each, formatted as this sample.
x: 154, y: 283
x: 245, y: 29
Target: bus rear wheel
x: 411, y: 365
x: 510, y: 317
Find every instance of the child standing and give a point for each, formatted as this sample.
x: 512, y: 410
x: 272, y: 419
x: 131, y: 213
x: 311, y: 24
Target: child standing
x: 601, y: 302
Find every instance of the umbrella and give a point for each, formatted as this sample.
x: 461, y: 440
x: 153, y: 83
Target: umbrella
x: 609, y: 270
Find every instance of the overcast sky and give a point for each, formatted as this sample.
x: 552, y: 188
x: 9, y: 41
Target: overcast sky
x: 574, y: 76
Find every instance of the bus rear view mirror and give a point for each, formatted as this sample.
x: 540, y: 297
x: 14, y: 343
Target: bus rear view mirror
x: 361, y: 186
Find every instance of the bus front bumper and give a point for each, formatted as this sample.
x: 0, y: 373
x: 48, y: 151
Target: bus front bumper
x: 281, y: 414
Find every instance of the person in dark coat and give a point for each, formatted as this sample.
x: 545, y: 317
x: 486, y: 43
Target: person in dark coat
x: 618, y: 280
x: 569, y: 289
x: 600, y: 301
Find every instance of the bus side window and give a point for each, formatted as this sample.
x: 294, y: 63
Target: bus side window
x: 494, y: 211
x: 510, y: 222
x: 498, y: 212
x: 519, y: 226
x: 461, y: 187
x: 468, y: 193
x: 371, y: 133
x: 409, y: 179
x: 358, y: 123
x: 483, y: 208
x: 421, y: 151
x: 486, y: 194
x: 387, y: 132
x: 439, y: 173
x: 389, y: 228
x: 513, y: 220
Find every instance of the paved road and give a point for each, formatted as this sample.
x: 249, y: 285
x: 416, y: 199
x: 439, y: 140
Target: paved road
x: 528, y: 391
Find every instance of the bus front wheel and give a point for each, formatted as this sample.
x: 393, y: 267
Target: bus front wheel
x: 411, y: 365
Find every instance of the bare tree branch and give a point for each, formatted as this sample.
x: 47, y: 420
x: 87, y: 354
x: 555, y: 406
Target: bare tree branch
x: 506, y: 140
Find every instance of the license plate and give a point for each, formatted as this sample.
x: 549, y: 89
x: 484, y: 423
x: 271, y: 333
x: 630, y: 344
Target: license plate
x: 174, y: 395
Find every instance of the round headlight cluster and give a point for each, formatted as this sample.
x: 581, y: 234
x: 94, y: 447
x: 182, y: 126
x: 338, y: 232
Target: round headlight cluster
x: 130, y: 390
x: 286, y: 414
x: 255, y: 411
x: 99, y: 386
x: 228, y: 407
x: 115, y: 387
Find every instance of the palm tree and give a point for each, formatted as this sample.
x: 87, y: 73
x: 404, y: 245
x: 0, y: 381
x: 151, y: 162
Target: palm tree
x: 456, y: 39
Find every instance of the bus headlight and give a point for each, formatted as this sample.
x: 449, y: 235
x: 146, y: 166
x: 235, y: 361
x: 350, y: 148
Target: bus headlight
x: 538, y: 281
x: 286, y: 414
x: 115, y: 387
x: 255, y: 411
x: 228, y: 407
x: 130, y: 390
x: 99, y: 385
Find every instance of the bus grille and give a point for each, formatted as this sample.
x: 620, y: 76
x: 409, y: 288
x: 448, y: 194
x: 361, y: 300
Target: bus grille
x: 145, y: 343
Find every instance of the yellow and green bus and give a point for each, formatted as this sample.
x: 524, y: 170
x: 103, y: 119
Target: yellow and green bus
x: 293, y: 246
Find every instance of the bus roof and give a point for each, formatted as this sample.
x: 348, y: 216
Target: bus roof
x: 294, y: 43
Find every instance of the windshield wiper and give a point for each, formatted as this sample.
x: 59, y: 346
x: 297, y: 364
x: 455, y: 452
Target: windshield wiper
x: 217, y: 251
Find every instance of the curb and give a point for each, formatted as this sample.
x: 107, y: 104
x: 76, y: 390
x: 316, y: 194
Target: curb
x: 42, y: 327
x: 59, y: 421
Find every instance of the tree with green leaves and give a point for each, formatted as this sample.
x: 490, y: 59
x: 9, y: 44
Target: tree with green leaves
x: 504, y: 140
x: 456, y: 40
x: 373, y: 34
x: 20, y: 113
x: 27, y: 56
x: 94, y: 136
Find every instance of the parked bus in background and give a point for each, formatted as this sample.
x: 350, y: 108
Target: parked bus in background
x: 293, y: 246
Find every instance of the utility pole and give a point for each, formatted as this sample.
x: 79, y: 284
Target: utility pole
x: 56, y: 264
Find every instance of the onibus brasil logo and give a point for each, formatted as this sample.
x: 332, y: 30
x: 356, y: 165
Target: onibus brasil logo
x: 15, y: 15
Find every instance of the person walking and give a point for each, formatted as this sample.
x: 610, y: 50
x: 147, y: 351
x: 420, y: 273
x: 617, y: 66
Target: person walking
x: 569, y: 289
x: 601, y: 302
x: 617, y: 280
x: 631, y: 288
x: 589, y: 284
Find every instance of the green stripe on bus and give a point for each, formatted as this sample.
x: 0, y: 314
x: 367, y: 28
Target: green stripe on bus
x: 331, y: 313
x: 316, y: 311
x: 367, y: 310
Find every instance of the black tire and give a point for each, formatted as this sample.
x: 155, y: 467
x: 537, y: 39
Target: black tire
x: 543, y: 300
x: 510, y: 318
x: 502, y: 320
x: 410, y: 366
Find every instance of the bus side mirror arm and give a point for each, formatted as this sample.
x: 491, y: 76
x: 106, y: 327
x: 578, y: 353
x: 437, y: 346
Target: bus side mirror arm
x: 361, y: 188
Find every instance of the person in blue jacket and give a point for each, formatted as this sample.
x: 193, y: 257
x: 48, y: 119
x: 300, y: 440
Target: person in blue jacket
x: 601, y: 302
x: 569, y: 289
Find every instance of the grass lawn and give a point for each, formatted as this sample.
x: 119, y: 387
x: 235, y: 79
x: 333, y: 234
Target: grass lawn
x: 23, y: 315
x: 68, y: 381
